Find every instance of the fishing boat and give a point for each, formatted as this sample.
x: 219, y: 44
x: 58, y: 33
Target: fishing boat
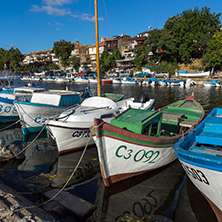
x: 212, y: 83
x: 150, y: 82
x: 142, y: 102
x: 114, y: 96
x: 185, y: 73
x: 200, y: 154
x: 106, y: 81
x: 162, y: 82
x: 171, y: 82
x: 128, y: 80
x: 71, y: 128
x: 60, y: 79
x: 8, y: 112
x: 209, y: 84
x: 7, y: 82
x: 43, y: 105
x: 138, y: 140
x: 81, y: 79
x: 116, y: 81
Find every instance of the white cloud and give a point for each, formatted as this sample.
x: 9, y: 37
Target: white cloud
x: 54, y: 7
x: 57, y: 23
x: 50, y: 10
x: 11, y: 45
x: 57, y: 2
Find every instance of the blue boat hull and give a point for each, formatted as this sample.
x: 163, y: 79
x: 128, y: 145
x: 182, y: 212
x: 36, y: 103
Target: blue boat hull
x: 200, y: 154
x: 8, y: 112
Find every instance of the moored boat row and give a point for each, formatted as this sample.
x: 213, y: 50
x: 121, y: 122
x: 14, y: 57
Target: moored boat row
x: 144, y: 140
x: 124, y: 81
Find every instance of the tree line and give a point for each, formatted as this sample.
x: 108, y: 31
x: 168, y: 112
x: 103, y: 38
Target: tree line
x: 193, y: 34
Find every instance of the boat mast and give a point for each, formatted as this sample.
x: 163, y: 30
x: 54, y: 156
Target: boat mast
x: 97, y: 50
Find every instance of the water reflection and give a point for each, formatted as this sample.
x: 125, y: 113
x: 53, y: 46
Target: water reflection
x: 63, y: 167
x: 40, y: 152
x: 143, y: 196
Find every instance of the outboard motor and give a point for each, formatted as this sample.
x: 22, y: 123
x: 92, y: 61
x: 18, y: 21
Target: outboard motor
x: 142, y: 98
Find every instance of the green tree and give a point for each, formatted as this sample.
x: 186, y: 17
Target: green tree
x: 3, y: 58
x: 192, y: 30
x: 213, y: 55
x: 184, y: 36
x: 62, y: 50
x: 140, y: 58
x: 75, y: 62
x: 14, y: 57
x: 108, y: 60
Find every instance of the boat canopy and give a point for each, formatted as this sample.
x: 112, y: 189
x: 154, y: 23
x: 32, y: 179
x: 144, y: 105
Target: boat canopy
x: 56, y: 98
x: 27, y: 90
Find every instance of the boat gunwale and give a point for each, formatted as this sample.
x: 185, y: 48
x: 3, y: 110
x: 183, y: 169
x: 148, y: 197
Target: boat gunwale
x: 129, y: 136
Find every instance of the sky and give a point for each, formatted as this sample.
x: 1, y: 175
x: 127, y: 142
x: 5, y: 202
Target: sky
x: 33, y: 25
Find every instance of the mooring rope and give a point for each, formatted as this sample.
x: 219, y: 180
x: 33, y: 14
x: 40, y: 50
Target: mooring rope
x: 16, y: 154
x: 64, y: 186
x: 55, y: 116
x: 10, y: 125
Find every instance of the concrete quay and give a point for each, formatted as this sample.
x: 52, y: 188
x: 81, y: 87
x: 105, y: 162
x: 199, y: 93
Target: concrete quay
x: 11, y: 208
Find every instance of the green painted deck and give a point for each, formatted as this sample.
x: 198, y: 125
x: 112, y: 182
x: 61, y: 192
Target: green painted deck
x: 136, y: 120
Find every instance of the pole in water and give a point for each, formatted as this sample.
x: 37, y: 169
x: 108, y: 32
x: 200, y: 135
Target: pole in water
x: 97, y: 50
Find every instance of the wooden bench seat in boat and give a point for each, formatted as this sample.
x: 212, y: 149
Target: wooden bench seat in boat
x: 210, y: 138
x: 188, y: 124
x: 171, y: 121
x: 212, y: 151
x: 172, y: 117
x: 213, y: 125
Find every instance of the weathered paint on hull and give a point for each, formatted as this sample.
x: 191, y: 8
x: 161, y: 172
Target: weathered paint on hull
x: 8, y: 112
x: 121, y: 158
x: 33, y: 118
x: 209, y: 182
x: 70, y: 139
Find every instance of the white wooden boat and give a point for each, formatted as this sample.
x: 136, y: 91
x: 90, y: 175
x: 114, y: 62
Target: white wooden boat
x: 192, y: 75
x: 7, y: 82
x: 61, y: 79
x: 142, y: 102
x: 8, y: 112
x: 212, y: 83
x: 209, y: 84
x: 200, y: 155
x: 34, y: 114
x: 138, y: 141
x: 81, y: 79
x: 162, y: 82
x: 128, y: 80
x: 71, y: 129
x: 116, y: 81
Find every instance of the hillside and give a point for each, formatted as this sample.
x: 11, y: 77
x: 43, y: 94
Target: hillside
x: 196, y: 66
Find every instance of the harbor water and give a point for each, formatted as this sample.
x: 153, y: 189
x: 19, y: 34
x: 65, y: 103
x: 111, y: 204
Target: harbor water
x: 166, y: 191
